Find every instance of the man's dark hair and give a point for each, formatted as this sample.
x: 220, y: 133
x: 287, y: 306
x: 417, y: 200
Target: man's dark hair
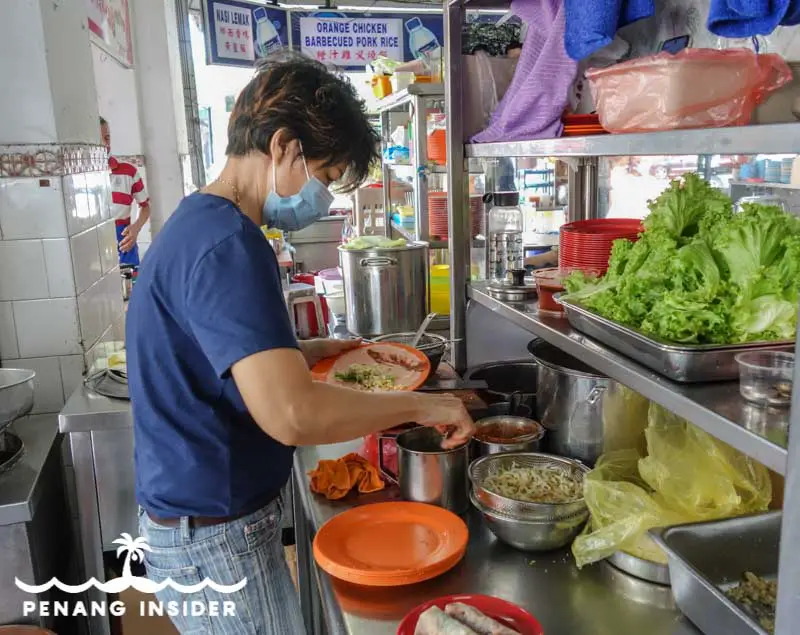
x: 103, y: 122
x: 321, y: 110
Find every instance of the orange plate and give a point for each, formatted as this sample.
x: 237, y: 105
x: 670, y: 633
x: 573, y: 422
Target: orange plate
x: 391, y: 544
x: 326, y: 369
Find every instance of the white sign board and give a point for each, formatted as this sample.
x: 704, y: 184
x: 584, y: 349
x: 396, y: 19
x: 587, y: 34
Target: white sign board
x: 351, y: 41
x: 234, y: 31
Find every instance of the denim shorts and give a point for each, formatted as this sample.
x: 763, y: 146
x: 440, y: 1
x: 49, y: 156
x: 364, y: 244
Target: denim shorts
x: 249, y: 547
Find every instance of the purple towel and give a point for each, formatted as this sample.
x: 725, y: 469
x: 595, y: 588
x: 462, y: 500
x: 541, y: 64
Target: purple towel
x: 535, y: 100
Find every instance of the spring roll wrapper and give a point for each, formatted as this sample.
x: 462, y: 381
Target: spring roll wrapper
x: 477, y: 621
x: 434, y: 621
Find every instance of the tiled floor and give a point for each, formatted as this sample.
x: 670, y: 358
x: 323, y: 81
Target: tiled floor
x: 133, y: 624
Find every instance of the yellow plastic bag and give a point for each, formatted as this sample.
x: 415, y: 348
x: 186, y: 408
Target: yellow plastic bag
x: 687, y: 476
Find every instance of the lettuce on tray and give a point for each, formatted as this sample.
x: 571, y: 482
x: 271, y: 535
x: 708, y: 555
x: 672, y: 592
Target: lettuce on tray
x: 701, y: 273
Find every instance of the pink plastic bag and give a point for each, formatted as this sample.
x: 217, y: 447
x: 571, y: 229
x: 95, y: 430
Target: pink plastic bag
x: 697, y: 88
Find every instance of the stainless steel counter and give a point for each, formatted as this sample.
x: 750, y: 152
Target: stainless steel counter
x: 21, y: 487
x: 86, y: 411
x: 598, y: 600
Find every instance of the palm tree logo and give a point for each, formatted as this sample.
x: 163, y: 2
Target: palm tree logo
x: 135, y: 548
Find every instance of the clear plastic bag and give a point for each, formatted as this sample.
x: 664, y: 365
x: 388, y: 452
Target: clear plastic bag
x: 687, y: 476
x: 695, y: 88
x: 486, y: 80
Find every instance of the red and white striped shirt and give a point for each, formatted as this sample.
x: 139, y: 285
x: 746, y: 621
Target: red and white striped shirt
x: 126, y: 185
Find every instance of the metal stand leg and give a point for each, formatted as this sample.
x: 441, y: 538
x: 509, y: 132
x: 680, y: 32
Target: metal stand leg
x: 89, y: 524
x: 305, y: 575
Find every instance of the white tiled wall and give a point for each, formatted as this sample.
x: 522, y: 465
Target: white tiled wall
x: 60, y: 288
x: 32, y: 208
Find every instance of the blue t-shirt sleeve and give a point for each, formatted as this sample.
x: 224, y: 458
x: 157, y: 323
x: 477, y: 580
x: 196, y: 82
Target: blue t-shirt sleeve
x: 235, y: 301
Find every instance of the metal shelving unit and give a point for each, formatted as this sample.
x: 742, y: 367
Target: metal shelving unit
x: 716, y: 408
x: 412, y: 99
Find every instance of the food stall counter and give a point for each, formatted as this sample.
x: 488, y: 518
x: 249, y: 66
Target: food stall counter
x: 565, y: 600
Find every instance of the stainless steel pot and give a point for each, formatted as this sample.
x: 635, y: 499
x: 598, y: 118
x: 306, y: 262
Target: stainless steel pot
x: 386, y: 290
x: 507, y: 382
x: 569, y: 403
x: 426, y: 472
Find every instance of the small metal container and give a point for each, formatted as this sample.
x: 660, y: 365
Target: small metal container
x: 486, y: 466
x: 426, y: 472
x: 523, y: 435
x: 532, y: 535
x: 701, y: 574
x: 640, y: 568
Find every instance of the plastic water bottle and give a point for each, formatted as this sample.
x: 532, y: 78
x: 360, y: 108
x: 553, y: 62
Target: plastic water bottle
x: 267, y: 38
x: 421, y: 40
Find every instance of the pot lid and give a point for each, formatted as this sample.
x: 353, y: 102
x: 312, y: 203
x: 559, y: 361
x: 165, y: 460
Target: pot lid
x: 507, y: 290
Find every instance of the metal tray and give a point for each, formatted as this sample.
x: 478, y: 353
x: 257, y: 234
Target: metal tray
x: 700, y: 572
x: 640, y: 568
x: 686, y: 364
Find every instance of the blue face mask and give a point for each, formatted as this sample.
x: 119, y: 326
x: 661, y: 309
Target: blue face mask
x: 293, y: 213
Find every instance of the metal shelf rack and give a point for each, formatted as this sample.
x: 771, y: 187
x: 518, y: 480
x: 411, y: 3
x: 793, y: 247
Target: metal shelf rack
x: 413, y: 99
x: 716, y: 408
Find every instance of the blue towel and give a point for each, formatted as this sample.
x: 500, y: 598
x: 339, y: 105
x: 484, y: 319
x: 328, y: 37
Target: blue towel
x: 746, y: 18
x: 592, y: 25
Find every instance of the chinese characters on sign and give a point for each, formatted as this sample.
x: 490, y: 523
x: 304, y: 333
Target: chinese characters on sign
x: 234, y: 31
x: 351, y: 41
x: 110, y: 27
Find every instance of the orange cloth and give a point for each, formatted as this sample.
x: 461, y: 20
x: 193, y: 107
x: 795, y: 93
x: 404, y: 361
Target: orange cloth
x: 336, y: 478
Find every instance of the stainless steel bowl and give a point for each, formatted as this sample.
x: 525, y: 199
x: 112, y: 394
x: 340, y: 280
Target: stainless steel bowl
x: 432, y: 345
x: 486, y: 466
x: 516, y: 427
x: 16, y: 394
x: 530, y: 535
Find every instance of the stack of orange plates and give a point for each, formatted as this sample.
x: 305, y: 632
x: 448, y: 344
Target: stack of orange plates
x: 582, y: 125
x: 391, y: 544
x: 437, y: 215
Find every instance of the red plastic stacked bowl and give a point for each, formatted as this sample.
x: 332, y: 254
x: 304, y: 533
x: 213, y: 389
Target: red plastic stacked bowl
x: 437, y: 215
x: 586, y: 244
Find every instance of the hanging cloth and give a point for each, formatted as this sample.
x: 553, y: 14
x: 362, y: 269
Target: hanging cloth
x: 592, y: 25
x: 535, y: 100
x: 746, y: 18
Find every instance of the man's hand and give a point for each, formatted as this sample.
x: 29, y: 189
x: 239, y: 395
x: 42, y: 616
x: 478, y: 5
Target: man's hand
x: 129, y: 236
x: 317, y: 350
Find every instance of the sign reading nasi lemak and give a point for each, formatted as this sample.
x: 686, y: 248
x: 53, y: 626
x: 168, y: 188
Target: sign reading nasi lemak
x: 238, y: 33
x: 351, y: 41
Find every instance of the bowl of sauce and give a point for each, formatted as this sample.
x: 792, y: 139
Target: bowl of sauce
x: 505, y: 433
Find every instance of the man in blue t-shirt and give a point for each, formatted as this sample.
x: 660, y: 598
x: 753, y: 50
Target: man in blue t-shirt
x: 220, y: 388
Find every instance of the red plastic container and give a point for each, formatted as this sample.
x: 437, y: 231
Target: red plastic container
x: 306, y: 316
x: 372, y: 447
